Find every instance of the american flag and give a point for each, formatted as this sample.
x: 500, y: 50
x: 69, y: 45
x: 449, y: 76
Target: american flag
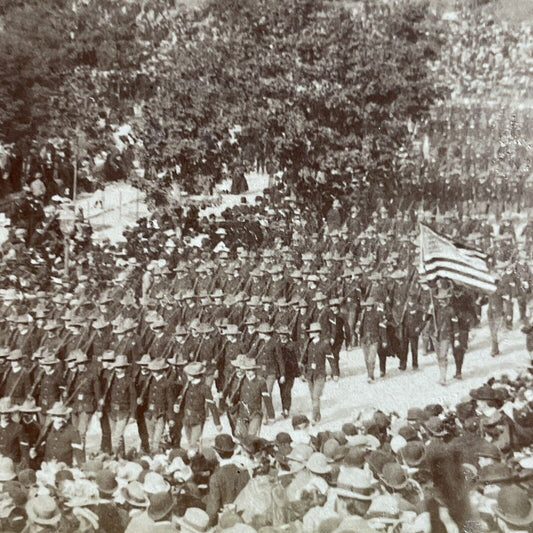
x: 442, y: 257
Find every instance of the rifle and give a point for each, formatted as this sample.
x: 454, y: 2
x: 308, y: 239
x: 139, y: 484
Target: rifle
x: 42, y: 436
x: 181, y: 399
x: 22, y: 372
x: 107, y: 389
x: 75, y: 391
x: 197, y: 351
x: 140, y: 399
x: 35, y: 384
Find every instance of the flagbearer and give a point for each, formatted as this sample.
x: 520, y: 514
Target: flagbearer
x: 443, y: 330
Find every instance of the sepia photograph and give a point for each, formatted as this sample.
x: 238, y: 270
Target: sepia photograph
x: 266, y: 266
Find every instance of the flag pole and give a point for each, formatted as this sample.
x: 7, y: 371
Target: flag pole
x: 421, y: 227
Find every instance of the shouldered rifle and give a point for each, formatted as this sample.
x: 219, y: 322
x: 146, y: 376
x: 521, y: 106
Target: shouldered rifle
x: 181, y: 399
x: 42, y: 436
x: 197, y: 351
x: 107, y: 389
x: 144, y: 391
x: 36, y: 383
x: 23, y: 372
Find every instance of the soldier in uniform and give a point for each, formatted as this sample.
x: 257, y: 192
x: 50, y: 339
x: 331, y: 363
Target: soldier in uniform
x: 338, y: 335
x: 84, y: 396
x: 48, y: 387
x: 121, y: 402
x: 313, y: 366
x: 495, y: 314
x: 373, y: 336
x: 159, y: 402
x: 60, y: 439
x: 248, y: 398
x: 177, y: 381
x: 141, y: 378
x: 13, y: 441
x: 443, y: 330
x: 104, y: 373
x: 193, y: 401
x: 465, y: 310
x: 31, y: 428
x: 413, y: 322
x: 17, y: 381
x: 290, y: 355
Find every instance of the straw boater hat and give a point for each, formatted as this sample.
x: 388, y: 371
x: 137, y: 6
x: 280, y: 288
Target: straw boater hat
x: 43, y: 511
x: 134, y: 494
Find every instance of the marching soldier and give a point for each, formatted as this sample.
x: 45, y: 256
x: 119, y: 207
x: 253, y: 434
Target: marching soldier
x: 313, y: 364
x: 159, y: 402
x: 48, y: 387
x: 373, y: 336
x: 413, y: 323
x: 104, y: 373
x: 119, y: 397
x: 31, y: 428
x: 84, y: 396
x: 248, y: 398
x: 193, y: 401
x: 443, y: 330
x: 338, y: 334
x: 141, y: 378
x: 13, y: 441
x: 290, y: 354
x: 177, y: 380
x: 17, y: 381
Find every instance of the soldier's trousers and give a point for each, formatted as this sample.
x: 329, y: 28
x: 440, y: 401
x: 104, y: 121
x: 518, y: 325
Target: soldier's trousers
x: 370, y: 351
x: 316, y: 387
x: 248, y: 427
x: 522, y: 307
x: 174, y: 431
x: 286, y: 393
x: 495, y: 323
x: 118, y: 422
x: 411, y: 342
x: 155, y: 427
x: 143, y: 432
x: 460, y: 350
x: 105, y: 445
x: 508, y: 309
x: 81, y: 422
x: 193, y: 435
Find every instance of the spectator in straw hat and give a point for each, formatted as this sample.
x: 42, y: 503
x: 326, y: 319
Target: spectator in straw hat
x: 43, y: 515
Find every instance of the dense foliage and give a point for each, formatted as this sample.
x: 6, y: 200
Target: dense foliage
x: 305, y: 86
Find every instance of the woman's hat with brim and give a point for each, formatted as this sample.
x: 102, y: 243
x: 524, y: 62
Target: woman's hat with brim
x: 194, y: 520
x: 356, y: 483
x: 318, y: 464
x: 43, y: 511
x: 514, y: 506
x: 134, y: 494
x: 435, y: 426
x: 393, y: 476
x: 161, y: 504
x: 413, y: 453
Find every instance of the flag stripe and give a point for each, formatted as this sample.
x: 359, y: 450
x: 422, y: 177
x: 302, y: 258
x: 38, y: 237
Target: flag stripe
x: 429, y: 264
x: 442, y: 257
x: 465, y: 280
x: 474, y: 274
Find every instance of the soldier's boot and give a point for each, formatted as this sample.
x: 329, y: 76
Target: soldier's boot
x: 495, y: 350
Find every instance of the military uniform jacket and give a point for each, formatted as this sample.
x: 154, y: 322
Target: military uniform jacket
x: 121, y: 397
x: 290, y: 354
x: 413, y: 320
x: 373, y: 327
x: 14, y: 442
x: 196, y: 396
x: 49, y: 389
x: 86, y: 391
x: 63, y: 445
x: 269, y: 358
x: 250, y: 397
x: 17, y: 385
x: 159, y: 398
x: 314, y: 359
x: 445, y: 324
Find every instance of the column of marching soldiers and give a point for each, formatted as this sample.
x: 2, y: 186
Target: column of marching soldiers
x: 238, y: 325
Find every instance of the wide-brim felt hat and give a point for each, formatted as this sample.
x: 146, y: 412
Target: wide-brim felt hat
x: 59, y: 409
x: 249, y: 364
x: 194, y: 369
x: 29, y: 406
x: 134, y: 494
x: 121, y: 361
x: 158, y: 365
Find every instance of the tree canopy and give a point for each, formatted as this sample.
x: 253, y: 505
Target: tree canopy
x: 322, y: 93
